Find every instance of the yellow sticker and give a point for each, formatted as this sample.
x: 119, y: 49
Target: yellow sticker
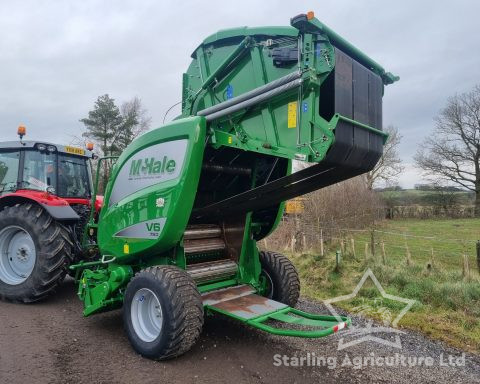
x: 294, y: 206
x: 292, y: 115
x: 126, y: 249
x: 230, y: 140
x: 74, y: 150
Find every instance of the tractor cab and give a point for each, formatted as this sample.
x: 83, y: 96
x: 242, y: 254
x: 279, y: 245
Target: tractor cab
x: 45, y: 195
x: 60, y: 170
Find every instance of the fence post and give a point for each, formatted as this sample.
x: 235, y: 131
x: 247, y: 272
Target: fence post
x: 384, y: 256
x: 466, y: 267
x: 407, y: 251
x: 366, y: 251
x: 321, y: 242
x: 431, y: 259
x: 338, y: 257
x: 372, y: 241
x: 478, y: 255
x: 353, y: 248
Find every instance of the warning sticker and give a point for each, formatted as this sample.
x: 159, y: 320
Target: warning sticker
x: 292, y: 115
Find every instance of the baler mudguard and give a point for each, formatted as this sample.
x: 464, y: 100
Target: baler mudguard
x: 56, y: 207
x: 150, y: 193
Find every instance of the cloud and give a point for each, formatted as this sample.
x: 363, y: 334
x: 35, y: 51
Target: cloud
x: 57, y: 57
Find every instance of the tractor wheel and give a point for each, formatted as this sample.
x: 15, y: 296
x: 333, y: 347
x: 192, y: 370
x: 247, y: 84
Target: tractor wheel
x: 281, y: 277
x: 162, y: 312
x: 35, y: 253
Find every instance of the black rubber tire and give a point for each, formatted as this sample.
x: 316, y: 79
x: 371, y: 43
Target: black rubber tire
x: 182, y: 310
x: 53, y: 248
x: 281, y: 273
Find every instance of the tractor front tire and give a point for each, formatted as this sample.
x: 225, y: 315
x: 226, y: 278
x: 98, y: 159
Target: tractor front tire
x: 162, y: 312
x: 282, y: 282
x: 35, y: 252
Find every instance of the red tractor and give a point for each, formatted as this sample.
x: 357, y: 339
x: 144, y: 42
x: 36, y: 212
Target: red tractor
x: 45, y: 192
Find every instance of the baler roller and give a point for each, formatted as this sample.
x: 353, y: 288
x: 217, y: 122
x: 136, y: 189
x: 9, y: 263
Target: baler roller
x: 212, y: 270
x: 249, y: 102
x: 202, y: 232
x: 204, y: 245
x: 252, y: 97
x: 220, y: 168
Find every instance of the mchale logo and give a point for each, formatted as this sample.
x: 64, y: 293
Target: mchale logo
x: 150, y: 166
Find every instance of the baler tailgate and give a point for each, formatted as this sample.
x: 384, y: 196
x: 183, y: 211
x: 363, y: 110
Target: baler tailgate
x: 241, y: 303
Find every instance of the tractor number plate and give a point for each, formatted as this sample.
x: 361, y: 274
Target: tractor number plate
x: 74, y: 150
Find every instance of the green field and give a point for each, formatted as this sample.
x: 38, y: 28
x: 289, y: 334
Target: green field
x: 446, y: 287
x: 421, y: 197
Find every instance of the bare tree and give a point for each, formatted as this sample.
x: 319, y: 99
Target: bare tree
x: 349, y: 204
x: 390, y: 165
x: 346, y: 204
x: 443, y: 198
x: 452, y: 151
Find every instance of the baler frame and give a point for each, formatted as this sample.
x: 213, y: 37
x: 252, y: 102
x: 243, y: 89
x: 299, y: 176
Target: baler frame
x: 302, y: 93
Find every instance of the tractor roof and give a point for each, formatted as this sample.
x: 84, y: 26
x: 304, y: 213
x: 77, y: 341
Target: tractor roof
x: 70, y: 150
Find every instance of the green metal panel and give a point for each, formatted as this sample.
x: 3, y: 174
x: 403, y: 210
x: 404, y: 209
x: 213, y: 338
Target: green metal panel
x: 246, y: 31
x: 150, y: 194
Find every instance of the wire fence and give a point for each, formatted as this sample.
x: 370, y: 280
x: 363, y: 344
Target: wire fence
x: 377, y: 244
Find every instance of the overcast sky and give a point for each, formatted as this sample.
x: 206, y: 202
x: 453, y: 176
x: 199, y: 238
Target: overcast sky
x: 56, y: 57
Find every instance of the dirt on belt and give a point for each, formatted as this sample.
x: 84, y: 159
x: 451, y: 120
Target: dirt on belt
x: 51, y: 342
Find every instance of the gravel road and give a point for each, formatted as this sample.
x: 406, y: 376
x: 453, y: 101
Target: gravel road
x: 50, y: 342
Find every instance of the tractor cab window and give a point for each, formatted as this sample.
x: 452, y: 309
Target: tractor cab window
x: 39, y: 170
x: 73, y: 177
x: 9, y: 170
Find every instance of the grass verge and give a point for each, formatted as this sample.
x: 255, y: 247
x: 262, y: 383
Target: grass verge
x: 447, y: 297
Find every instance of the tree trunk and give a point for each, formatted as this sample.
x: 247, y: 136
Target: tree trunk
x: 369, y: 180
x: 104, y: 171
x: 477, y: 201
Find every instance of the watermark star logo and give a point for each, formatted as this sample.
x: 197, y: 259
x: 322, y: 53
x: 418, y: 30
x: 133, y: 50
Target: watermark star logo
x: 355, y: 334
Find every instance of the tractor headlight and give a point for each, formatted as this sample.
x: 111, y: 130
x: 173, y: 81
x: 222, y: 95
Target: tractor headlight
x: 51, y: 148
x: 41, y: 147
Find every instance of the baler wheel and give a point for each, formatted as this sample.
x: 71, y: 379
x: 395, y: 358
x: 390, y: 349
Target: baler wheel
x: 162, y: 312
x: 282, y: 280
x: 35, y: 252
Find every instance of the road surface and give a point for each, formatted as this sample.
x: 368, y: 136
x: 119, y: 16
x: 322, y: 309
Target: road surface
x: 50, y: 342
